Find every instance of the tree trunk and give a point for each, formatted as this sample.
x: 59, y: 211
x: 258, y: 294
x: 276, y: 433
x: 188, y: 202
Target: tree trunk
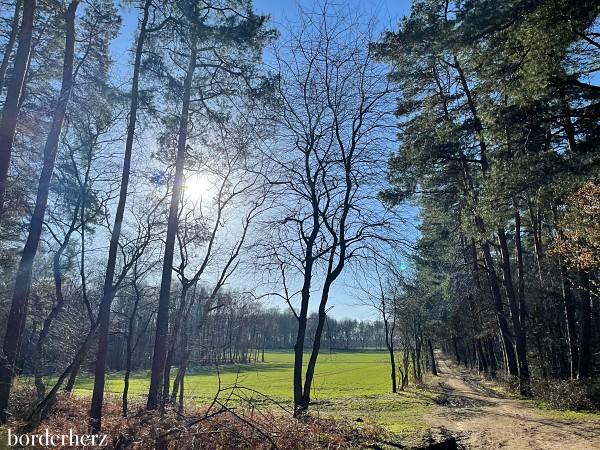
x: 492, y: 357
x: 321, y: 316
x: 12, y: 104
x: 520, y: 269
x: 73, y: 376
x: 18, y: 309
x: 389, y: 342
x: 567, y: 296
x: 42, y: 408
x: 173, y: 341
x: 162, y: 316
x: 12, y: 38
x: 516, y: 315
x: 456, y: 352
x: 585, y: 341
x: 482, y: 363
x: 107, y: 295
x: 500, y: 316
x: 299, y: 407
x: 432, y: 357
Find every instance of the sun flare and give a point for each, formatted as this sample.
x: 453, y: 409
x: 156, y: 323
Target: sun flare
x: 197, y: 187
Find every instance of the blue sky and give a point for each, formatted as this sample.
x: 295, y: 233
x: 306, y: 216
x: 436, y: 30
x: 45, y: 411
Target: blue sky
x: 388, y: 14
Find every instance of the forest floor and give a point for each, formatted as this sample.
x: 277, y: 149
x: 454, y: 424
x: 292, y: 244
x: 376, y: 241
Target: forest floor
x: 481, y: 418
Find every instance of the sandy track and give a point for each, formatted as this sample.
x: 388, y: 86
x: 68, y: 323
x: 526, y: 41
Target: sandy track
x: 482, y: 420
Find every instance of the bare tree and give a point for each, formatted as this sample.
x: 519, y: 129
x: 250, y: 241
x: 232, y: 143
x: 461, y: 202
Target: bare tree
x: 332, y: 120
x: 379, y: 282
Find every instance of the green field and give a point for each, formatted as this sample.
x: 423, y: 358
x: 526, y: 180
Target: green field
x: 354, y: 385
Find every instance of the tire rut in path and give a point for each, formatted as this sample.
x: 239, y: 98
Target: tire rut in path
x: 483, y: 420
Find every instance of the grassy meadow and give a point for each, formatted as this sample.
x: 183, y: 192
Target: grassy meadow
x: 353, y: 385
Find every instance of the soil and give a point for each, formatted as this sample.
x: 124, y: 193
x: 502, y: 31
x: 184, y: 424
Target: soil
x: 480, y: 419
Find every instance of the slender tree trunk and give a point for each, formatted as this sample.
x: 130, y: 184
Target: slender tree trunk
x: 42, y: 408
x: 299, y: 406
x: 516, y: 315
x: 456, y: 352
x: 500, y: 316
x: 107, y: 295
x: 56, y: 308
x: 162, y: 316
x: 567, y: 296
x: 482, y: 363
x: 73, y: 376
x: 585, y: 341
x: 492, y: 357
x: 130, y: 347
x: 321, y: 316
x: 10, y: 44
x: 10, y: 111
x: 180, y: 374
x: 173, y: 341
x: 432, y: 357
x: 181, y: 391
x: 520, y: 269
x: 18, y: 309
x: 389, y: 342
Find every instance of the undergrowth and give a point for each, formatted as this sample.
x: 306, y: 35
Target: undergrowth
x: 220, y: 426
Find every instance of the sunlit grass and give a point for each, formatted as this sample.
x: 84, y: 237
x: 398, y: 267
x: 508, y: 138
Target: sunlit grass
x: 352, y: 385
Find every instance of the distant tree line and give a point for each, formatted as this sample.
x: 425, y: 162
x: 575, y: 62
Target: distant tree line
x: 238, y: 330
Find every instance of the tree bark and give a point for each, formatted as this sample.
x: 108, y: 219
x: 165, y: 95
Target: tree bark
x: 12, y: 103
x: 107, y: 295
x: 18, y: 309
x: 162, y: 316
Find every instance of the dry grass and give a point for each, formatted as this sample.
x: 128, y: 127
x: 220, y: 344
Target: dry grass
x: 219, y: 427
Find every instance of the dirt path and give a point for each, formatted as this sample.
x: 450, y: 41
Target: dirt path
x: 482, y: 420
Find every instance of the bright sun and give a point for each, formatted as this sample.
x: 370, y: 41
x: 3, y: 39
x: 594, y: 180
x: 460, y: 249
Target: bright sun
x: 197, y: 187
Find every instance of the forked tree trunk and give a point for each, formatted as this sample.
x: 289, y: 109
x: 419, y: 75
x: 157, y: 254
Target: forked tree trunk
x: 18, y: 308
x: 12, y: 104
x: 107, y: 295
